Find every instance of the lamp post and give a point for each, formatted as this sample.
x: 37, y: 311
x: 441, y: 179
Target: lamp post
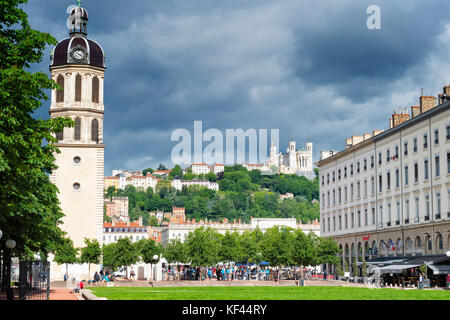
x: 10, y: 244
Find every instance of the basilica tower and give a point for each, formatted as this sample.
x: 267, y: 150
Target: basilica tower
x: 77, y: 65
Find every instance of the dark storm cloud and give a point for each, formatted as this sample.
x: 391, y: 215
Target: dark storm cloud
x: 310, y: 68
x: 360, y: 63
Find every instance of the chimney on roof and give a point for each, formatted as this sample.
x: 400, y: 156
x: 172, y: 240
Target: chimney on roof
x: 399, y: 116
x: 367, y: 136
x: 427, y: 103
x: 349, y: 142
x: 415, y: 111
x: 140, y: 221
x: 446, y: 90
x: 376, y: 132
x: 444, y: 97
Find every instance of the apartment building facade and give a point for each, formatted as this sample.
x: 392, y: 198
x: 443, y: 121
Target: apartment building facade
x: 388, y: 194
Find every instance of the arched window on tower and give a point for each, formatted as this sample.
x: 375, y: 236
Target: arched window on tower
x: 94, y: 131
x: 60, y: 135
x: 77, y: 128
x: 78, y: 88
x: 95, y: 90
x: 60, y: 93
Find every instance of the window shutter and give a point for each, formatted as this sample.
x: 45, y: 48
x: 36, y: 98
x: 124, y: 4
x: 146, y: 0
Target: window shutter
x: 94, y: 130
x: 60, y: 93
x: 78, y: 88
x: 95, y: 90
x: 77, y: 128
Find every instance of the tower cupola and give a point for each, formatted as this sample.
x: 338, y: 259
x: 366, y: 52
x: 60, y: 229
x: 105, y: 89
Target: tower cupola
x: 78, y: 20
x: 78, y: 49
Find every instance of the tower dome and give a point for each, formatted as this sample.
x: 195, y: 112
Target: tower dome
x: 78, y: 49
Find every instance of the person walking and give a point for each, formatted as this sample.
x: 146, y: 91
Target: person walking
x: 275, y: 278
x: 132, y: 275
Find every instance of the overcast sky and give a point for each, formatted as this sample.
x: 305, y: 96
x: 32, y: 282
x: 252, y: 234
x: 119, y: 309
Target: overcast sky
x: 309, y: 68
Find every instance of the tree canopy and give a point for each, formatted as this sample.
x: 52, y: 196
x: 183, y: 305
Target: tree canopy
x: 30, y: 212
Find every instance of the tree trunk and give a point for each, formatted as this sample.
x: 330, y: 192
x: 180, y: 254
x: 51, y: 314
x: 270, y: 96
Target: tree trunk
x: 89, y: 271
x: 6, y: 270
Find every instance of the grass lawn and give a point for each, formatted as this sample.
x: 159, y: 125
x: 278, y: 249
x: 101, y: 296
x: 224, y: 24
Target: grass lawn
x: 266, y: 293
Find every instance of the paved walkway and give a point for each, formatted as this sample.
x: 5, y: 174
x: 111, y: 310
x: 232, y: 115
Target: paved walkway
x: 64, y: 294
x: 55, y: 294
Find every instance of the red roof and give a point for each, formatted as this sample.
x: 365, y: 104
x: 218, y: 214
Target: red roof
x: 122, y: 225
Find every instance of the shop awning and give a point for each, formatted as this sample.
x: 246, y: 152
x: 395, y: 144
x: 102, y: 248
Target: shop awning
x: 440, y: 269
x: 397, y: 268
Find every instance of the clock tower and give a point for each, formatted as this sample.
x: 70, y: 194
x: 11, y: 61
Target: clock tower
x: 77, y: 65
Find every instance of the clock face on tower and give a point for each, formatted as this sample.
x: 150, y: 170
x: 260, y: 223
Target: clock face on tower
x: 78, y: 54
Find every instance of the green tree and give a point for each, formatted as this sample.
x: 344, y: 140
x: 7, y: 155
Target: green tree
x: 202, y: 247
x: 65, y: 253
x: 110, y: 254
x: 90, y: 254
x: 277, y: 246
x: 228, y: 247
x: 135, y: 213
x: 145, y: 171
x: 189, y: 176
x: 248, y: 249
x: 30, y: 212
x: 328, y: 250
x: 162, y: 167
x: 211, y: 176
x: 176, y: 252
x: 110, y: 192
x: 364, y: 269
x: 147, y: 249
x: 176, y: 172
x: 423, y: 269
x: 128, y: 253
x: 354, y: 268
x: 304, y: 250
x: 153, y: 221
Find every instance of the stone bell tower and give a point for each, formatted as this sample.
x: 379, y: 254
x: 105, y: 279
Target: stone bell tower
x: 77, y: 65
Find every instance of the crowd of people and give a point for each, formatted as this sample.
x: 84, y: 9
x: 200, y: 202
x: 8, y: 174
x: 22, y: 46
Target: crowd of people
x: 237, y: 272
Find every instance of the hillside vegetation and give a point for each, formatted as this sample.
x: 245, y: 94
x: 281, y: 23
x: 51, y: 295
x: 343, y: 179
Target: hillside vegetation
x: 243, y: 194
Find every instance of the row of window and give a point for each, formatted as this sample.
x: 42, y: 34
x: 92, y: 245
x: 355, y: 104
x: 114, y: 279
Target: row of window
x: 78, y: 86
x: 135, y: 238
x: 124, y: 229
x: 437, y: 173
x: 388, y: 156
x: 77, y: 136
x: 350, y: 221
